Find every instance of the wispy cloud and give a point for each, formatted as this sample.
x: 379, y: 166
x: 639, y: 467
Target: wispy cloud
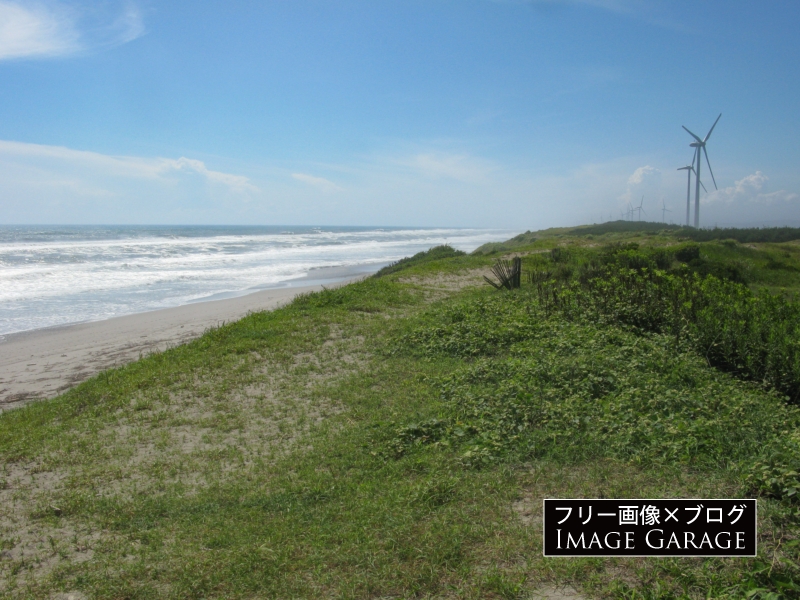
x: 128, y: 26
x: 55, y: 158
x: 236, y: 183
x: 461, y: 167
x: 52, y: 29
x: 322, y: 184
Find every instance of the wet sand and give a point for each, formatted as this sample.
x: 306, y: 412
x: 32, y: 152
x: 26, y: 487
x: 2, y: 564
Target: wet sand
x: 45, y: 362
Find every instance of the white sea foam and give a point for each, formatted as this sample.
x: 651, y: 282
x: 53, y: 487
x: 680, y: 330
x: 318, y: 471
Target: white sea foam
x: 60, y: 275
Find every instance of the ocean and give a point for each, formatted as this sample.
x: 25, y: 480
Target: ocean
x: 59, y: 275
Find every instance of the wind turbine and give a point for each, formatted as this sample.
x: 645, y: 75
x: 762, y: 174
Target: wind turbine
x: 689, y: 170
x: 664, y: 211
x: 698, y: 145
x: 640, y: 209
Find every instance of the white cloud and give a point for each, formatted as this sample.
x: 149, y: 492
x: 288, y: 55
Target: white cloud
x: 31, y: 30
x: 749, y: 203
x: 55, y: 159
x: 646, y: 175
x: 51, y: 29
x: 324, y: 185
x: 750, y: 190
x: 645, y: 181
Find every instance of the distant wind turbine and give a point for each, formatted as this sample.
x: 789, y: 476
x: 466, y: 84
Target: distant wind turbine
x: 664, y: 211
x: 698, y: 145
x: 689, y: 170
x: 640, y: 209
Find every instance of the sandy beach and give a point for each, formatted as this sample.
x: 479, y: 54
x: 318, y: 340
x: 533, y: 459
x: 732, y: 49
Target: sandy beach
x: 45, y: 362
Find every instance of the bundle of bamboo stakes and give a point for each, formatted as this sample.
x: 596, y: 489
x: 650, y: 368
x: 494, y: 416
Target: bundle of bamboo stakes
x: 508, y: 273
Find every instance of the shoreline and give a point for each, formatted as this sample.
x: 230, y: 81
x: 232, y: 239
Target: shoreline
x: 316, y: 276
x: 43, y: 363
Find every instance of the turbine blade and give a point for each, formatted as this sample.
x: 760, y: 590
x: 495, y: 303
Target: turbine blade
x: 709, y: 168
x: 693, y: 135
x: 708, y: 135
x: 704, y: 187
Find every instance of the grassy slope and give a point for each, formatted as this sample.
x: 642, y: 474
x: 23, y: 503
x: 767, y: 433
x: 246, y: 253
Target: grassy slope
x: 356, y: 444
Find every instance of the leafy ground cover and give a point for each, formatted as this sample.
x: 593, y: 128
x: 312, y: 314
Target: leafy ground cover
x: 754, y: 335
x: 394, y: 438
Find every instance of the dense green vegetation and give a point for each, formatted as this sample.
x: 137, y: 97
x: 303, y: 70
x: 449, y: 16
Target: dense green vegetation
x: 394, y: 437
x: 764, y: 264
x: 754, y: 335
x: 774, y: 235
x: 751, y: 235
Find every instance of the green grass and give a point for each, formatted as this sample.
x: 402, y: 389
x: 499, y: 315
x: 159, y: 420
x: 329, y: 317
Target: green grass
x: 434, y: 254
x: 394, y: 438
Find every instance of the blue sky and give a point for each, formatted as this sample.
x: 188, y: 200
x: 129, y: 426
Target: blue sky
x: 497, y: 113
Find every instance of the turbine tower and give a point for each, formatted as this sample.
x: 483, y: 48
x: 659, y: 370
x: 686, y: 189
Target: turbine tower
x: 689, y: 170
x: 698, y: 145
